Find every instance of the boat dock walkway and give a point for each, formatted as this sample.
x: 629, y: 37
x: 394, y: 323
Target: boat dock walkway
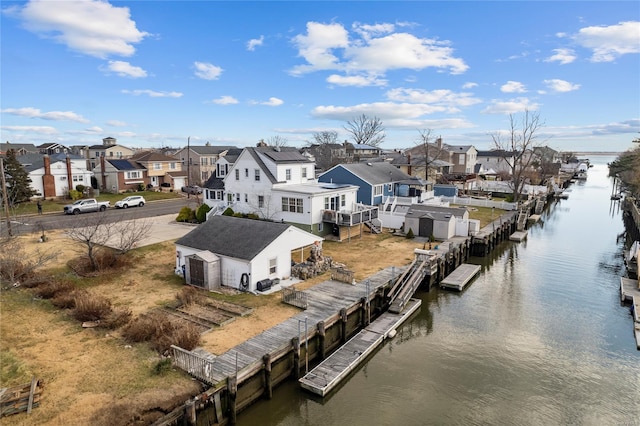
x: 630, y: 292
x: 330, y: 372
x: 460, y: 277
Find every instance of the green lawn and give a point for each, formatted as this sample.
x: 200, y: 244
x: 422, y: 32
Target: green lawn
x: 58, y: 204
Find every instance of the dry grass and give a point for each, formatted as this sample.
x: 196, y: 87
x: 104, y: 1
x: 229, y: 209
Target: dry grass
x: 93, y: 376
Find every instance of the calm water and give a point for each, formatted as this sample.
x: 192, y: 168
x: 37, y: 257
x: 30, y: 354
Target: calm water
x: 539, y: 338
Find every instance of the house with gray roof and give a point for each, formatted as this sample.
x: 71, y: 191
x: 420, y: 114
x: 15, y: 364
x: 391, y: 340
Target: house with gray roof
x: 19, y: 148
x: 54, y: 175
x: 239, y: 253
x: 121, y: 175
x: 202, y: 160
x: 440, y: 222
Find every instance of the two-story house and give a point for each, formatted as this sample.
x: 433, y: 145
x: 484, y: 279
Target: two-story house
x: 51, y: 148
x: 497, y: 160
x: 120, y: 175
x: 161, y: 169
x: 54, y: 175
x: 361, y: 152
x: 18, y: 148
x: 110, y: 150
x: 202, y: 160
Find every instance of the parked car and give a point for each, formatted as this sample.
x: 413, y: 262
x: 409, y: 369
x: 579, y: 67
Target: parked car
x: 86, y: 205
x: 131, y: 201
x: 192, y: 189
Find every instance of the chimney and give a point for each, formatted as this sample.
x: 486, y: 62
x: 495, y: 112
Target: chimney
x: 48, y: 181
x: 439, y: 142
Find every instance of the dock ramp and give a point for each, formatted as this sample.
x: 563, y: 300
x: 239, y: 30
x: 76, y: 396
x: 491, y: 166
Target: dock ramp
x: 407, y: 283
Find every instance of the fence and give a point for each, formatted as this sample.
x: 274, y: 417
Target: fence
x: 295, y: 297
x: 468, y: 201
x: 197, y: 366
x: 343, y: 275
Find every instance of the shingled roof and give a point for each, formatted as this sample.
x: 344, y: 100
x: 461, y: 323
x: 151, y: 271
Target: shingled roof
x: 233, y: 237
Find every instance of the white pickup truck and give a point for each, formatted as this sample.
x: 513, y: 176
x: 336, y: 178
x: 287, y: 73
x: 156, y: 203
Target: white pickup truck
x: 86, y: 205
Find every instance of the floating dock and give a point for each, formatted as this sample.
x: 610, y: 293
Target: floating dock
x: 518, y: 236
x: 460, y: 277
x: 330, y: 373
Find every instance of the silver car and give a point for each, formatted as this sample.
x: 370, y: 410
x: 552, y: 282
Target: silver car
x: 131, y: 201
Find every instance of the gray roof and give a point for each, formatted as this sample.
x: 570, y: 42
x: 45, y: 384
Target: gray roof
x: 29, y: 147
x: 283, y: 155
x: 32, y: 162
x: 233, y: 236
x: 376, y: 173
x: 419, y: 210
x: 263, y: 167
x: 210, y: 149
x: 125, y: 165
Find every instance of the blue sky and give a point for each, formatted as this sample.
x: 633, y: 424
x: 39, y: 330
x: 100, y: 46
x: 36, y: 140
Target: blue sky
x: 154, y: 73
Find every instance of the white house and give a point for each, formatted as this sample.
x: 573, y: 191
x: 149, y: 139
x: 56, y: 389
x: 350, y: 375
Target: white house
x: 239, y: 253
x: 53, y: 175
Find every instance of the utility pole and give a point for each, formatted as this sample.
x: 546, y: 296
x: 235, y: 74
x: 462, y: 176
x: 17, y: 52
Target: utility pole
x: 188, y: 165
x: 5, y: 199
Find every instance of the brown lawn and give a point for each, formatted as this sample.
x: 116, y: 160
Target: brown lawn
x: 91, y: 376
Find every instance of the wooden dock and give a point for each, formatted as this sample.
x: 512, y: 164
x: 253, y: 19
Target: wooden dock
x: 518, y: 236
x: 330, y: 373
x: 630, y: 292
x: 460, y: 277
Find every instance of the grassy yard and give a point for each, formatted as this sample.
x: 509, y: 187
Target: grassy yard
x: 56, y: 205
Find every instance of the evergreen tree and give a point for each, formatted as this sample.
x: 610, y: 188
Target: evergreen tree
x: 17, y: 180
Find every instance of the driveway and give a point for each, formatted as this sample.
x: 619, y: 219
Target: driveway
x: 165, y: 228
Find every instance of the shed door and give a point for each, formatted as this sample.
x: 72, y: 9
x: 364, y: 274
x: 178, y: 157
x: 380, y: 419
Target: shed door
x: 425, y: 227
x: 196, y: 272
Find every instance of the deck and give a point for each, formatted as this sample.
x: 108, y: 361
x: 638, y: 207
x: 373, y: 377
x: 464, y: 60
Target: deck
x: 330, y: 373
x: 460, y: 277
x: 518, y: 236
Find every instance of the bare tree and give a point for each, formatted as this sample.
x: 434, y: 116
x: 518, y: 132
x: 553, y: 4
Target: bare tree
x: 428, y: 152
x: 16, y: 265
x: 93, y: 231
x: 322, y: 143
x: 366, y: 130
x: 519, y: 141
x: 127, y: 234
x: 277, y: 141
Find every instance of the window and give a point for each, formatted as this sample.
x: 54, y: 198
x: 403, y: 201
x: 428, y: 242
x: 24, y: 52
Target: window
x: 260, y: 201
x: 389, y: 187
x: 133, y: 175
x: 293, y: 205
x: 343, y: 200
x: 230, y: 198
x: 157, y: 166
x: 287, y: 174
x: 203, y: 176
x: 320, y: 227
x: 172, y: 166
x: 461, y: 159
x: 377, y: 190
x: 221, y: 169
x: 78, y: 178
x: 304, y: 172
x: 203, y: 161
x: 237, y: 174
x: 273, y: 263
x: 326, y: 203
x: 246, y: 173
x: 238, y: 196
x: 110, y: 153
x: 256, y: 174
x: 246, y: 198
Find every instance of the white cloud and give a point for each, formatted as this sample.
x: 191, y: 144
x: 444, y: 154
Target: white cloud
x: 469, y: 85
x: 356, y: 80
x: 372, y: 49
x: 446, y: 98
x: 125, y: 69
x: 43, y: 130
x: 255, y: 42
x: 558, y: 85
x: 610, y: 42
x: 116, y: 123
x: 92, y: 27
x: 225, y: 100
x: 153, y: 93
x: 564, y: 56
x: 273, y: 102
x: 513, y: 87
x: 207, y: 71
x: 510, y: 107
x: 383, y: 110
x: 51, y: 115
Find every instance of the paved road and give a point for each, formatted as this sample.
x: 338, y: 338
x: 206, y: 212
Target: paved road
x: 50, y: 221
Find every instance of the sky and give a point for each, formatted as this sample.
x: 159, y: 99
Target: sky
x: 156, y: 74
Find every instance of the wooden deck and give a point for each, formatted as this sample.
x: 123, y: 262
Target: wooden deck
x: 460, y: 277
x: 324, y: 301
x: 518, y: 236
x: 330, y: 373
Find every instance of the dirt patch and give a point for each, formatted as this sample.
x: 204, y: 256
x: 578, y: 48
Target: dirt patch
x: 93, y: 377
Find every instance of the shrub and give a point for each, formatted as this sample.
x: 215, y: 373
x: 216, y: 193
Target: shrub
x: 80, y: 188
x: 228, y: 212
x: 253, y: 216
x: 410, y: 234
x: 91, y: 307
x: 34, y: 281
x: 75, y: 195
x: 201, y: 213
x: 117, y: 318
x: 188, y: 295
x: 67, y: 300
x: 162, y: 367
x: 238, y: 214
x: 157, y: 329
x: 141, y: 187
x: 53, y: 289
x: 186, y: 215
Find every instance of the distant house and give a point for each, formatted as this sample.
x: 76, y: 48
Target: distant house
x: 54, y: 175
x: 52, y: 148
x: 496, y: 160
x: 19, y: 148
x: 202, y: 160
x: 121, y: 175
x: 238, y: 253
x: 109, y: 150
x: 161, y: 169
x: 361, y: 152
x: 376, y: 181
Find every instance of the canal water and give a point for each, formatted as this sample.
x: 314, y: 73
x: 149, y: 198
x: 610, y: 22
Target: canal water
x: 539, y: 338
